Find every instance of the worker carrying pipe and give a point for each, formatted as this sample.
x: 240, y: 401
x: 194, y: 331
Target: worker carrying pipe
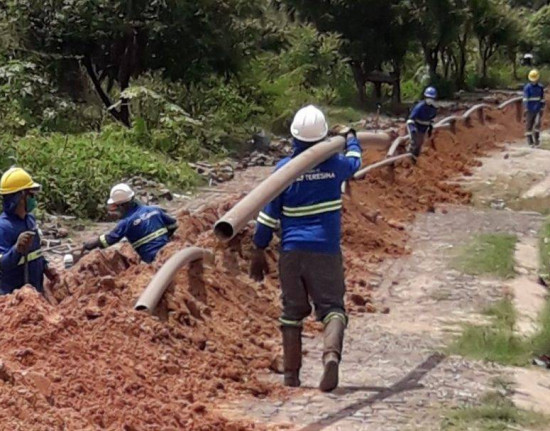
x: 21, y: 260
x: 533, y: 101
x: 420, y: 122
x: 147, y: 228
x: 310, y: 265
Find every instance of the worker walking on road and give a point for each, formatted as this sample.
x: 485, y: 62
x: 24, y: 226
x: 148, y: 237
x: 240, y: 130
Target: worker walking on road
x: 310, y: 264
x: 420, y: 122
x: 21, y: 260
x: 533, y: 101
x: 147, y: 228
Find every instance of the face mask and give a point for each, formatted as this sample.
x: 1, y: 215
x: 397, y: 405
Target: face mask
x: 430, y: 102
x: 31, y: 203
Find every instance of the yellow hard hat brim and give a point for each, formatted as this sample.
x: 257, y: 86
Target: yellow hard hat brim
x: 32, y: 186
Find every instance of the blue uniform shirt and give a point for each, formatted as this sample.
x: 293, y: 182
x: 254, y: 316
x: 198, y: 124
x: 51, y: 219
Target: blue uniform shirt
x: 146, y: 228
x: 12, y: 263
x: 422, y: 116
x: 533, y: 97
x: 309, y: 210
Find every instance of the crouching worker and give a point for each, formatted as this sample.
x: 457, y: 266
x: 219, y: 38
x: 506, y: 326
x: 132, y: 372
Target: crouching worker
x: 147, y: 228
x: 21, y: 260
x: 310, y: 264
x: 420, y: 122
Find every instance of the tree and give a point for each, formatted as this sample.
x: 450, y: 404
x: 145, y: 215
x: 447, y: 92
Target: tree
x: 539, y: 34
x: 494, y: 27
x: 437, y: 24
x: 116, y: 40
x: 375, y: 32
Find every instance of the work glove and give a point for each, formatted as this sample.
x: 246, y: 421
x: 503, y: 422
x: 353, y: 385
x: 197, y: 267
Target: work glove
x: 258, y: 265
x: 52, y: 275
x: 430, y: 130
x: 24, y: 242
x: 341, y: 130
x: 91, y: 244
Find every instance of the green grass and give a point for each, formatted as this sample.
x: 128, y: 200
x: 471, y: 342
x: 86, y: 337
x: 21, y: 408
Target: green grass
x: 544, y: 251
x: 496, y: 341
x: 541, y: 341
x: 494, y: 412
x: 488, y: 254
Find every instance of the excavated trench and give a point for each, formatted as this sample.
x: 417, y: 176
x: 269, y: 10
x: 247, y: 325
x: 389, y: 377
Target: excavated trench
x: 92, y: 362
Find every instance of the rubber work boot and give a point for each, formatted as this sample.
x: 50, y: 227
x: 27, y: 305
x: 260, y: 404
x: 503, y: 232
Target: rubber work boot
x: 537, y: 139
x: 332, y: 353
x: 292, y: 354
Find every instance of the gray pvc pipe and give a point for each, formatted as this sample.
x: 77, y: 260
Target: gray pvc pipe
x: 389, y: 161
x: 162, y: 279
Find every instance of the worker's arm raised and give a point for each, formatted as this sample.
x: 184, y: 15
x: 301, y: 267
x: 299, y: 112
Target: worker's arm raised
x: 353, y: 157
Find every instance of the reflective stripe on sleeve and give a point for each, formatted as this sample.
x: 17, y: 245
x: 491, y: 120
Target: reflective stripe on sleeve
x: 354, y: 154
x: 264, y: 219
x: 103, y: 241
x: 37, y: 254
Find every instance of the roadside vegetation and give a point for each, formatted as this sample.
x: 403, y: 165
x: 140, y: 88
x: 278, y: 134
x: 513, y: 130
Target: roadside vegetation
x: 493, y: 412
x: 497, y: 341
x: 488, y: 254
x: 181, y: 81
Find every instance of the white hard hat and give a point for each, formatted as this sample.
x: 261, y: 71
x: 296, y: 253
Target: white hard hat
x: 120, y: 194
x: 309, y: 125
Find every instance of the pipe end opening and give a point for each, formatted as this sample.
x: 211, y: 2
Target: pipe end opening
x: 141, y: 307
x: 224, y: 230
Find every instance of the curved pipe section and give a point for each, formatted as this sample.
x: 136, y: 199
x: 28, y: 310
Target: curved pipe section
x: 236, y: 219
x: 473, y: 109
x: 510, y: 102
x: 162, y: 279
x: 389, y: 161
x: 396, y: 144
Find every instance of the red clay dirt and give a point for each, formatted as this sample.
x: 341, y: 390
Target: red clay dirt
x: 92, y: 362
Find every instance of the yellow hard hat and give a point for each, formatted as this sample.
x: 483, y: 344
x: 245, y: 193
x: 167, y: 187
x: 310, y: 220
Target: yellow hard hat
x: 534, y: 75
x: 15, y: 180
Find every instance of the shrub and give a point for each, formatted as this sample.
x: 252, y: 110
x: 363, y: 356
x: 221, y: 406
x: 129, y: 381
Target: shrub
x: 77, y: 171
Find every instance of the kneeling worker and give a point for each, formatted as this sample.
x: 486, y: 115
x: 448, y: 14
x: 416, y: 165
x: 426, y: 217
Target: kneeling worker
x: 21, y: 260
x: 147, y: 228
x: 310, y: 263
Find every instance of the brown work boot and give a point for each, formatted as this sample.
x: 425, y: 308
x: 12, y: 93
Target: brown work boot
x: 332, y: 353
x: 292, y: 354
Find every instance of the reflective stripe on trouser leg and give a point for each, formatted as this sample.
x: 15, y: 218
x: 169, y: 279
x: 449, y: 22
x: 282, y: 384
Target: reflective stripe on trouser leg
x: 291, y: 323
x: 335, y: 315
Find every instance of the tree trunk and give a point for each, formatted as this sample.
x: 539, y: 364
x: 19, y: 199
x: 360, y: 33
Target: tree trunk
x: 102, y: 95
x: 378, y: 91
x: 127, y: 65
x: 396, y: 89
x: 431, y: 57
x: 360, y: 82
